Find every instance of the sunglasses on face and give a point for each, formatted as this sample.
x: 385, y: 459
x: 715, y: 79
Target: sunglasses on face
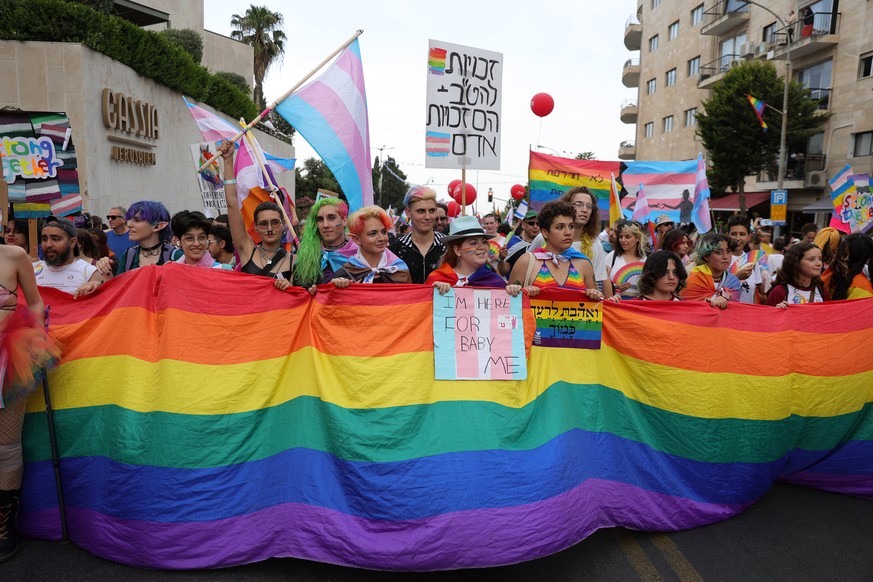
x: 530, y: 223
x: 112, y: 216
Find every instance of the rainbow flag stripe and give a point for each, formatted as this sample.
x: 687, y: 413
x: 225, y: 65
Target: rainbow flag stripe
x: 436, y: 61
x: 551, y: 176
x: 199, y: 428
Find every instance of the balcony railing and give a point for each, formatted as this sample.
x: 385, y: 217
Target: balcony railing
x: 807, y: 35
x: 724, y: 7
x: 630, y: 73
x: 633, y: 33
x: 797, y: 166
x: 717, y: 67
x: 629, y: 111
x: 627, y: 150
x: 725, y: 15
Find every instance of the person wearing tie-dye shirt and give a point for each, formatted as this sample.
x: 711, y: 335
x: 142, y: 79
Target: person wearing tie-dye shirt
x: 557, y: 264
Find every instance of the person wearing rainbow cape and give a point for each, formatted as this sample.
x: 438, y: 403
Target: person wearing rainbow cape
x: 373, y: 262
x: 710, y: 280
x: 324, y: 247
x: 557, y: 265
x: 466, y: 262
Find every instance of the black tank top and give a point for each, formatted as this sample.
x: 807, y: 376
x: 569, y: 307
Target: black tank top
x: 252, y: 269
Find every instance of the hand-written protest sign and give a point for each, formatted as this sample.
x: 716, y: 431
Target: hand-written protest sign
x: 30, y: 157
x: 209, y: 180
x: 565, y: 321
x: 463, y: 107
x: 478, y: 334
x: 852, y: 205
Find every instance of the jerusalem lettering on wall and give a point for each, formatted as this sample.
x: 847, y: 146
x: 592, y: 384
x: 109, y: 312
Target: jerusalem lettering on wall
x: 463, y: 107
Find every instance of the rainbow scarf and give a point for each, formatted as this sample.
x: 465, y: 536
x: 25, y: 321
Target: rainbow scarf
x: 302, y: 439
x: 389, y: 264
x: 541, y: 254
x: 701, y: 285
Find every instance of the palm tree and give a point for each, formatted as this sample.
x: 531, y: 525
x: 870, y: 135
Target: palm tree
x: 260, y: 28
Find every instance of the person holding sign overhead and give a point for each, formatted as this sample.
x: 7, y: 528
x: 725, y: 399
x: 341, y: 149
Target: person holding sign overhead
x: 557, y: 264
x: 465, y: 263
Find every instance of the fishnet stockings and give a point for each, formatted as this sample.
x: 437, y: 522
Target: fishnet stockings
x: 11, y: 421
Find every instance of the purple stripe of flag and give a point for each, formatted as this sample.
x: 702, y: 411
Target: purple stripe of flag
x: 464, y: 539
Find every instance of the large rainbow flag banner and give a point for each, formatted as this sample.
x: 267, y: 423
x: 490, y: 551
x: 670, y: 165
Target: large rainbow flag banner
x: 551, y: 176
x: 198, y: 428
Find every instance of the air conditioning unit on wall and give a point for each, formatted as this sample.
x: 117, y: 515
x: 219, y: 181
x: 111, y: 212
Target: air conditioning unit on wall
x: 815, y: 179
x: 761, y: 49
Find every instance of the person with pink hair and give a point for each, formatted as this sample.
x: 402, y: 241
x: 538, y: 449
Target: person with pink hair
x: 373, y: 262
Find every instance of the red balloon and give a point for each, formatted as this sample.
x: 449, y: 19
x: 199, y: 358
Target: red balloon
x: 452, y: 185
x: 542, y: 104
x: 468, y: 199
x: 454, y: 208
x: 517, y: 191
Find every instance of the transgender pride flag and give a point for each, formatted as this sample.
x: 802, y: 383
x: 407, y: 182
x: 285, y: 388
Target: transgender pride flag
x: 331, y: 114
x: 700, y: 213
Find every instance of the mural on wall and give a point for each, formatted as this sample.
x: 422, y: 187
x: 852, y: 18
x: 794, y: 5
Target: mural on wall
x: 39, y: 164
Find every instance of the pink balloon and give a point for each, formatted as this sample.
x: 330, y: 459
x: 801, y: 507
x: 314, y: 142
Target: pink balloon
x: 517, y: 191
x: 542, y: 104
x: 468, y: 199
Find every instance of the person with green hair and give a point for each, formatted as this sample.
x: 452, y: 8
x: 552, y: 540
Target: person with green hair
x: 324, y: 246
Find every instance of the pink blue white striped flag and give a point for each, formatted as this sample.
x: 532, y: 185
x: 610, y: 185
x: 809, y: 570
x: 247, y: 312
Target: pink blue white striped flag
x: 67, y: 205
x: 213, y: 128
x: 700, y: 213
x: 641, y: 208
x: 331, y: 114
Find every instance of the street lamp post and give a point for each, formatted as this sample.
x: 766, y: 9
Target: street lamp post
x: 382, y: 169
x: 780, y: 180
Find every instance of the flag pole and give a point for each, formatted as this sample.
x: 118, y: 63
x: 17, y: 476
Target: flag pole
x: 288, y: 93
x: 274, y: 188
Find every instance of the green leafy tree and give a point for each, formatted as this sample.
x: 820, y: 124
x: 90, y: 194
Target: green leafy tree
x: 394, y: 184
x: 586, y: 156
x: 731, y: 133
x: 236, y: 80
x: 189, y: 40
x: 315, y: 175
x: 260, y: 28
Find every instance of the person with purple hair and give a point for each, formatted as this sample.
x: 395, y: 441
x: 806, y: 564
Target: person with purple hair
x: 148, y: 225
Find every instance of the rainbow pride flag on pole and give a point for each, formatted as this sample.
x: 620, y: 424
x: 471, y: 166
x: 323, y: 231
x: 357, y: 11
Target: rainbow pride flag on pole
x: 758, y: 106
x: 551, y: 176
x: 319, y: 431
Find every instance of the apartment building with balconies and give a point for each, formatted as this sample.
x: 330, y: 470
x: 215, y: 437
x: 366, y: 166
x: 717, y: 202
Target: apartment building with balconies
x: 686, y: 46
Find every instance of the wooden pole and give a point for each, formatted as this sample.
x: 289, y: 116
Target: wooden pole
x: 287, y: 93
x: 33, y: 236
x: 4, y: 202
x: 274, y: 189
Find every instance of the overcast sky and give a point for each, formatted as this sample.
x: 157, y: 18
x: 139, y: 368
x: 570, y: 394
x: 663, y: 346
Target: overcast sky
x: 572, y: 50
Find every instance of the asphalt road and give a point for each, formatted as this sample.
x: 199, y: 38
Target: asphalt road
x: 792, y: 534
